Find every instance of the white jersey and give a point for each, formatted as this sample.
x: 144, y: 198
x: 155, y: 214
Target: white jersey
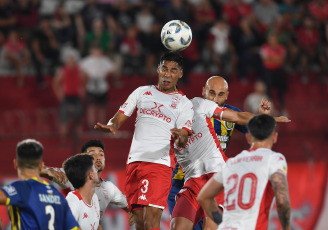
x: 87, y: 215
x: 248, y: 191
x: 202, y: 153
x: 157, y: 114
x: 107, y: 194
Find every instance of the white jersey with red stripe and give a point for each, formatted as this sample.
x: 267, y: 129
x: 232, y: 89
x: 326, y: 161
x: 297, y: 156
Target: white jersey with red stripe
x: 247, y: 187
x: 202, y: 153
x: 107, y: 193
x: 157, y: 114
x: 87, y: 215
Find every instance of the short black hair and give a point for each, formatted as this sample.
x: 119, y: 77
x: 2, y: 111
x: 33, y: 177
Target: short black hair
x: 77, y: 167
x: 172, y: 56
x: 29, y: 153
x: 92, y: 143
x: 261, y: 126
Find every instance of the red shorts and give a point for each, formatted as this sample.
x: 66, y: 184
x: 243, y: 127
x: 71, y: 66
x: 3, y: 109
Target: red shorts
x: 147, y: 184
x: 187, y: 205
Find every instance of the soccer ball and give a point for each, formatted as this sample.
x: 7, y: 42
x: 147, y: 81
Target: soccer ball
x: 176, y: 35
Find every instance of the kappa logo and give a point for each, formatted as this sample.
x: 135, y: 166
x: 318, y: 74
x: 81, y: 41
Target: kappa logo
x: 10, y: 190
x: 142, y: 197
x: 148, y: 93
x: 85, y: 215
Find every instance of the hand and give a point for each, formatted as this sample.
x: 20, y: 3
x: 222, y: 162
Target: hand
x: 176, y: 133
x: 282, y: 119
x: 105, y: 128
x: 56, y: 176
x: 265, y: 107
x: 132, y: 219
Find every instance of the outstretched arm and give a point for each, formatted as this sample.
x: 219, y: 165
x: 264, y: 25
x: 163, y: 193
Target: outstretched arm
x: 242, y: 118
x: 206, y: 198
x: 280, y: 189
x: 113, y: 125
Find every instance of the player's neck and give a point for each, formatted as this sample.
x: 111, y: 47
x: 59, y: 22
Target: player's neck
x: 87, y: 192
x: 261, y: 144
x: 25, y: 174
x: 172, y: 90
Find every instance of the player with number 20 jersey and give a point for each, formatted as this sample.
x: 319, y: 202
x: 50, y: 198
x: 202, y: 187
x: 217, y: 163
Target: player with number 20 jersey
x: 248, y: 191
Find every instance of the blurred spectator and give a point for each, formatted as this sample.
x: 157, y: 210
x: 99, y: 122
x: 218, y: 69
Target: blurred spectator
x: 16, y: 53
x: 97, y: 68
x: 27, y: 14
x: 266, y: 12
x: 319, y: 9
x: 7, y: 16
x: 285, y: 35
x: 99, y: 36
x: 253, y: 100
x: 310, y: 47
x: 62, y: 25
x: 221, y: 47
x: 291, y: 13
x: 69, y: 88
x: 133, y: 58
x: 191, y: 58
x: 124, y: 15
x: 45, y: 50
x: 273, y: 56
x: 92, y: 10
x: 247, y: 41
x: 235, y: 10
x: 178, y: 10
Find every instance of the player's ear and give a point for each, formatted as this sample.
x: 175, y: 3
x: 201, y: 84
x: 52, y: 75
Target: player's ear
x: 15, y: 163
x: 248, y: 138
x: 203, y: 92
x: 181, y: 73
x: 227, y: 94
x: 275, y: 137
x: 41, y: 165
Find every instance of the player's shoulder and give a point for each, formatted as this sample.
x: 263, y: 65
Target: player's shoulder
x: 198, y: 101
x: 232, y: 107
x: 74, y: 196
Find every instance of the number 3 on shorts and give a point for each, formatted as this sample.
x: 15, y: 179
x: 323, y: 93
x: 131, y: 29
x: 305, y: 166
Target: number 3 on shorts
x: 145, y: 184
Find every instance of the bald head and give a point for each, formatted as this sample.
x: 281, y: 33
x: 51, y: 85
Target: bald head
x: 216, y: 89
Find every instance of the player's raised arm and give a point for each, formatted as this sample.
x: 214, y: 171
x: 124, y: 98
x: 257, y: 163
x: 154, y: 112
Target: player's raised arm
x: 57, y: 176
x: 206, y: 198
x: 113, y: 125
x: 242, y: 118
x: 280, y: 189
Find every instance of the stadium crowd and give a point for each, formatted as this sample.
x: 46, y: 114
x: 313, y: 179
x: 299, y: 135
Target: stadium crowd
x: 228, y: 36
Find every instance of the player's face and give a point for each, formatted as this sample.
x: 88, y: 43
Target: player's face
x: 99, y: 156
x: 216, y: 92
x: 169, y: 72
x: 95, y: 173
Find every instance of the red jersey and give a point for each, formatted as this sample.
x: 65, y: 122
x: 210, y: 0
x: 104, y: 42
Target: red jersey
x: 273, y: 57
x: 72, y: 80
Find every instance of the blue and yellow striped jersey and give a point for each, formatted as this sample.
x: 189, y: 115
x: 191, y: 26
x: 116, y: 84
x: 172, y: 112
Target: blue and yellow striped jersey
x: 34, y: 204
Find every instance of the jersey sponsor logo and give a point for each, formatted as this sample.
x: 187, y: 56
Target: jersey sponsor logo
x: 10, y: 190
x: 85, y: 215
x: 191, y: 140
x: 148, y: 93
x: 50, y: 199
x: 175, y: 102
x: 223, y: 138
x: 142, y: 197
x: 157, y: 106
x: 154, y: 113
